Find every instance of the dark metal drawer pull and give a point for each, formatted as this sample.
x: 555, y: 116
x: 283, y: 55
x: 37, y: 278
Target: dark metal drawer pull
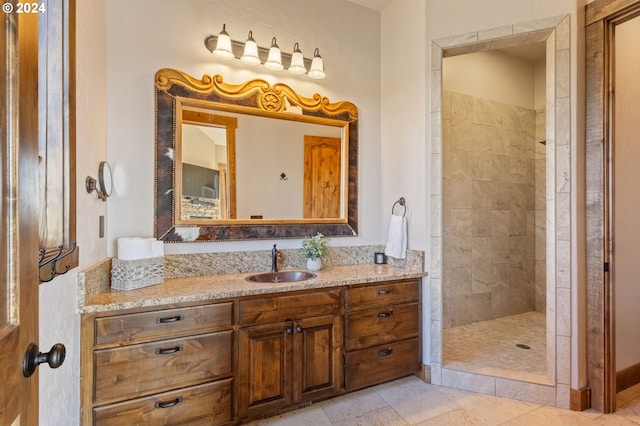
x: 167, y: 320
x: 384, y: 353
x: 385, y: 314
x: 169, y: 351
x: 169, y: 404
x: 382, y: 291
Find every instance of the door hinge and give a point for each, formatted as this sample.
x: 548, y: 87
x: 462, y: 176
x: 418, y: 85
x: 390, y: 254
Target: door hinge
x: 606, y: 266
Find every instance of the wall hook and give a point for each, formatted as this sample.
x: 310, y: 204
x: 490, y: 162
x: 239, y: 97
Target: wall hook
x: 53, y: 260
x: 283, y: 176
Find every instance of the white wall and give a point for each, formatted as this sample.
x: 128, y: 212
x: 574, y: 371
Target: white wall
x: 492, y: 75
x: 146, y: 35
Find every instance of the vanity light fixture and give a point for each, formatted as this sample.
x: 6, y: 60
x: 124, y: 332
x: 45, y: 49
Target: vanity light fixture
x: 274, y: 61
x: 223, y: 46
x: 297, y: 61
x: 250, y: 55
x: 273, y: 58
x: 317, y: 66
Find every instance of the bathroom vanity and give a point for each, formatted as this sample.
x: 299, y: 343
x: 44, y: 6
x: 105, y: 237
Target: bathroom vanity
x: 221, y: 350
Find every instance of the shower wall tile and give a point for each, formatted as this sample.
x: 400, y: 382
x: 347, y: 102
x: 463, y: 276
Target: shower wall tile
x: 563, y: 264
x: 500, y: 300
x: 459, y: 167
x: 436, y: 350
x: 563, y: 65
x: 462, y: 136
x: 563, y: 366
x: 501, y: 168
x: 485, y: 112
x: 435, y: 298
x: 480, y: 307
x: 436, y: 132
x: 446, y: 105
x: 563, y: 218
x: 462, y: 278
x: 436, y: 167
x: 489, y: 200
x: 563, y: 168
x: 563, y: 304
x: 500, y: 143
x: 461, y: 108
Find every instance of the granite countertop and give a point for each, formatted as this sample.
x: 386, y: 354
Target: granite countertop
x: 222, y: 286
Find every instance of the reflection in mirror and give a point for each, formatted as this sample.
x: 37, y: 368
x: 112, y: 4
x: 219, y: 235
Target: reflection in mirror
x: 309, y: 155
x: 252, y: 161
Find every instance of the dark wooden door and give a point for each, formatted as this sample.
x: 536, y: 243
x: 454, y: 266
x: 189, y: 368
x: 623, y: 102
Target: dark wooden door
x: 18, y: 205
x: 322, y: 177
x: 264, y: 374
x: 317, y: 358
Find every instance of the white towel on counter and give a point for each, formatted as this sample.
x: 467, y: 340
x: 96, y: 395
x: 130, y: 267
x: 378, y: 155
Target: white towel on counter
x: 397, y: 240
x: 139, y: 248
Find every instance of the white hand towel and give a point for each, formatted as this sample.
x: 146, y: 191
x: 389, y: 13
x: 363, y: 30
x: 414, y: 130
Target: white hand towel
x: 397, y: 240
x: 157, y: 248
x: 134, y: 248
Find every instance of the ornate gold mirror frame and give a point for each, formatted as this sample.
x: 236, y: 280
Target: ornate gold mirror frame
x: 175, y: 89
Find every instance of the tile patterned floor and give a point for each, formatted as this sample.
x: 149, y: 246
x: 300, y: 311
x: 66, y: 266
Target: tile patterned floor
x: 489, y: 347
x: 410, y: 401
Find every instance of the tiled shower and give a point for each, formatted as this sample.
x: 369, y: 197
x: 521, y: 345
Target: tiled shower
x: 494, y: 209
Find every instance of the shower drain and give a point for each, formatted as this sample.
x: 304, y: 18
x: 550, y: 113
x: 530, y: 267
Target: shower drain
x: 523, y: 346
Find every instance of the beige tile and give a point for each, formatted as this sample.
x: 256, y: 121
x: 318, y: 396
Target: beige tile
x: 353, y: 405
x: 551, y: 416
x: 490, y: 409
x: 451, y: 418
x: 415, y: 400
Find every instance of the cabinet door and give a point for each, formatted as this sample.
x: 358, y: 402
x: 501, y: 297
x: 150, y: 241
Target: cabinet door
x: 317, y: 357
x: 264, y: 375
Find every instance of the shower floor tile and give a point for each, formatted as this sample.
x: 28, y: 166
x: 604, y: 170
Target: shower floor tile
x: 490, y: 347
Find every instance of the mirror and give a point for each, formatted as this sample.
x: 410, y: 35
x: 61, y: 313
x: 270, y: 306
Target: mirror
x: 251, y: 161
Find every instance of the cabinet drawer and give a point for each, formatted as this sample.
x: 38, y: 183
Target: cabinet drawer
x: 382, y: 294
x: 147, y: 326
x: 382, y: 324
x: 294, y: 306
x: 382, y: 363
x: 208, y: 404
x: 143, y: 369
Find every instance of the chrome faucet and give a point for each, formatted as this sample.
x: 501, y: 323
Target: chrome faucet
x: 274, y: 259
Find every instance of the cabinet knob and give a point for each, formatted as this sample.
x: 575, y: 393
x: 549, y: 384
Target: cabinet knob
x: 382, y: 291
x: 385, y: 352
x: 299, y: 329
x: 289, y: 330
x: 385, y: 314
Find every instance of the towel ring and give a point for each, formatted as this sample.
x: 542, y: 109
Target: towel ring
x: 401, y: 201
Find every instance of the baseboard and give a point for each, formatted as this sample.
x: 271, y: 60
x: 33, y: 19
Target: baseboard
x: 628, y: 377
x: 425, y: 373
x: 580, y: 399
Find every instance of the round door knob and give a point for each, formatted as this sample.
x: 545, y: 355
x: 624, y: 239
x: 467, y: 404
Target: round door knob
x: 33, y: 358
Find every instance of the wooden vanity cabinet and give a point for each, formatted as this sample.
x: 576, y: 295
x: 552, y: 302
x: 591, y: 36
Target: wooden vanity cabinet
x: 382, y: 332
x: 170, y: 366
x: 246, y: 358
x: 290, y: 350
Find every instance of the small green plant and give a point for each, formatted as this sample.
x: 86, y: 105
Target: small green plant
x: 314, y: 247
